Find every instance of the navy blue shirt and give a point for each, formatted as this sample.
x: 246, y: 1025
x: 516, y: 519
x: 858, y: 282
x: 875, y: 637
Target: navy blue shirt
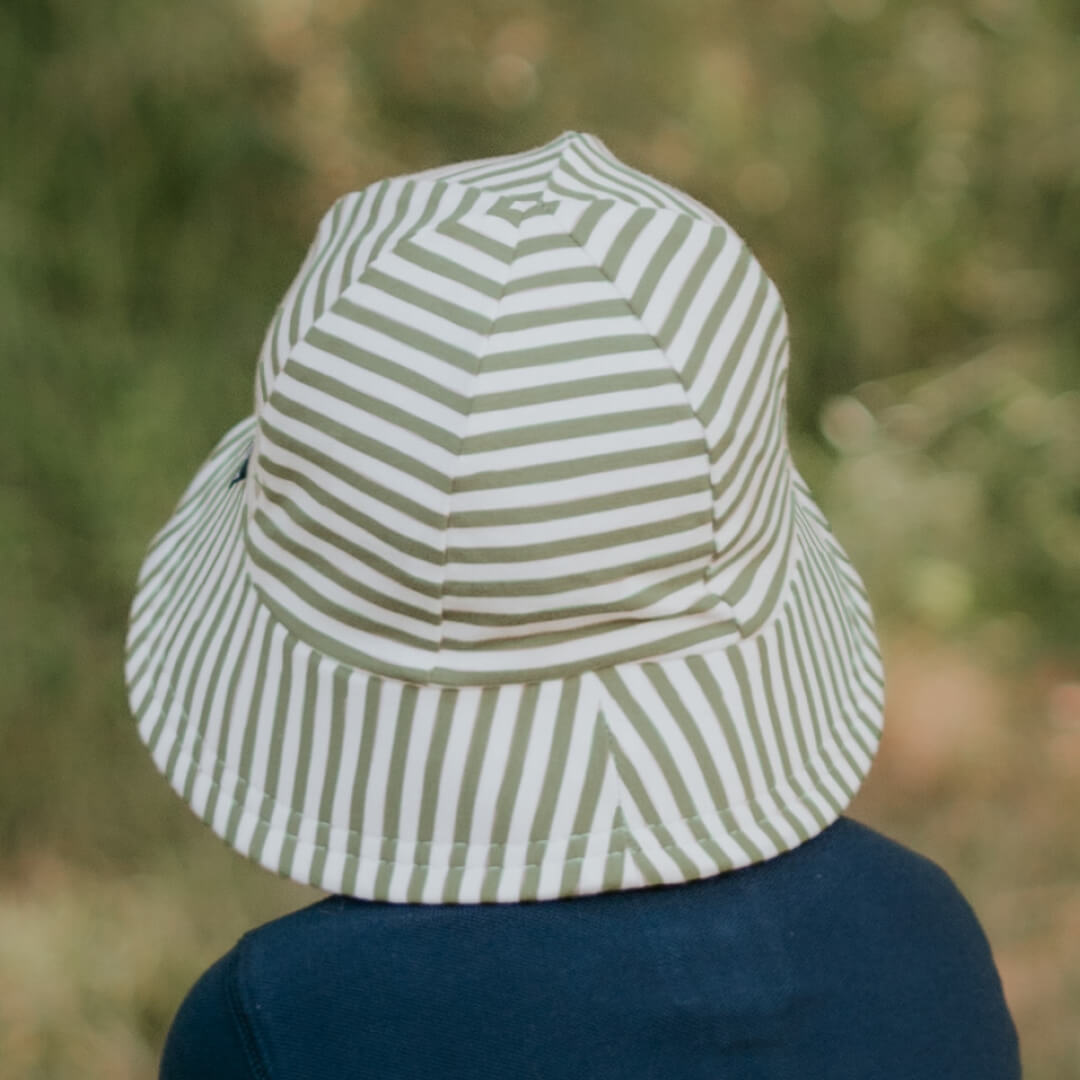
x: 849, y: 958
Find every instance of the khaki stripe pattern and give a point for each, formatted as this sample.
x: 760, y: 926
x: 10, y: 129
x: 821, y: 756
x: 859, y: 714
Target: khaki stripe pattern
x: 521, y: 595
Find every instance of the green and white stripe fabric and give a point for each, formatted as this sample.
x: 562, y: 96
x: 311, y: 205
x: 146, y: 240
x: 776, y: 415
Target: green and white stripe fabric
x: 521, y: 595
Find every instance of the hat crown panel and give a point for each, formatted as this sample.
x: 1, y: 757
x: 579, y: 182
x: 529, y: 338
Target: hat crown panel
x: 520, y: 420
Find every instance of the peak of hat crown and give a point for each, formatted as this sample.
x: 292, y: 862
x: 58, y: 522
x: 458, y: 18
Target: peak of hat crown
x: 573, y: 166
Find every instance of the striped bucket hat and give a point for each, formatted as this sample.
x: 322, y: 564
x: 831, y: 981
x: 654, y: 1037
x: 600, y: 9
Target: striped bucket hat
x: 509, y: 589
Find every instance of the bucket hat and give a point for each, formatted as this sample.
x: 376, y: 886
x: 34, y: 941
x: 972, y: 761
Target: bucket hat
x: 509, y: 589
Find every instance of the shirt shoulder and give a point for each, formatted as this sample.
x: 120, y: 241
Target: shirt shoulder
x: 211, y: 1037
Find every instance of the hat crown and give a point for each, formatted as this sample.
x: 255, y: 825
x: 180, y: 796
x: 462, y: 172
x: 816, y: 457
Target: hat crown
x: 519, y: 419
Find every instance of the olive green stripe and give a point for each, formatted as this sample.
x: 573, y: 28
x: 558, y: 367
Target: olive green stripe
x: 476, y: 241
x: 264, y: 644
x: 571, y: 275
x: 244, y: 767
x: 764, y: 368
x: 302, y: 765
x: 433, y: 777
x: 776, y: 517
x: 600, y: 576
x: 834, y: 619
x: 817, y: 708
x: 706, y: 338
x: 361, y: 781
x: 428, y: 344
x: 617, y: 192
x: 190, y: 567
x: 588, y: 803
x: 339, y: 693
x: 332, y: 572
x: 518, y: 163
x: 812, y: 751
x: 225, y: 614
x: 513, y: 768
x: 362, y: 444
x: 751, y: 746
x: 759, y: 477
x: 275, y: 358
x: 810, y: 664
x: 273, y: 764
x: 576, y: 545
x: 587, y: 222
x: 206, y: 591
x: 700, y: 671
x: 615, y: 255
x: 333, y: 645
x: 376, y: 195
x: 342, y: 230
x: 592, y: 504
x: 443, y: 676
x: 553, y: 391
x: 515, y: 217
x: 447, y: 268
x: 555, y: 773
x: 529, y: 246
x: 316, y: 257
x: 396, y: 792
x: 768, y: 418
x: 432, y: 303
x: 643, y: 598
x: 852, y: 670
x: 470, y: 778
x: 580, y: 427
x: 695, y: 280
x: 634, y: 787
x: 303, y: 588
x: 737, y: 589
x: 395, y: 788
x: 513, y: 322
x: 758, y: 726
x: 568, y: 351
x: 400, y: 543
x: 659, y: 262
x: 362, y: 484
x: 402, y: 205
x: 642, y: 184
x: 167, y: 676
x: 615, y: 860
x: 620, y: 180
x: 376, y: 407
x: 185, y: 528
x: 734, y: 353
x: 796, y: 770
x: 321, y: 338
x: 692, y: 732
x: 227, y: 711
x: 658, y: 749
x: 628, y: 654
x: 550, y: 471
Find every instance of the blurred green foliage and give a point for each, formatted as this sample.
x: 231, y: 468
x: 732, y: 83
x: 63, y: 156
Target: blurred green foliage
x: 906, y: 171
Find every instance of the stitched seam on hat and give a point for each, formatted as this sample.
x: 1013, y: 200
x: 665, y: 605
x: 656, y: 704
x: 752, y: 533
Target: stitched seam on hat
x: 471, y: 399
x: 631, y: 845
x: 736, y: 832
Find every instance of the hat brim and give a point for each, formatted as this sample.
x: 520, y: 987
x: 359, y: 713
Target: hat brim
x: 644, y: 773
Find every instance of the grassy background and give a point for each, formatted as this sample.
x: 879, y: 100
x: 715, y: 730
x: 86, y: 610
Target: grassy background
x: 907, y: 172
